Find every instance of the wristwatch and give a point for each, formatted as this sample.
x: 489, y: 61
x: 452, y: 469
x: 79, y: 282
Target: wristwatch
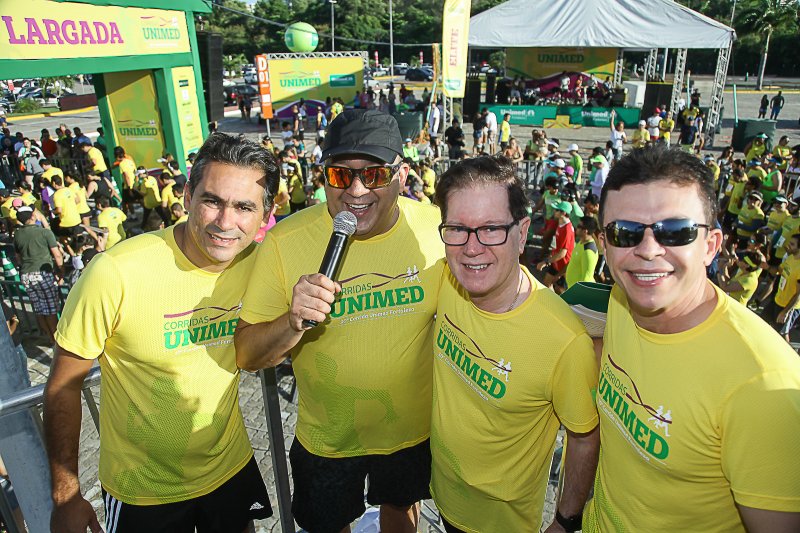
x: 571, y: 524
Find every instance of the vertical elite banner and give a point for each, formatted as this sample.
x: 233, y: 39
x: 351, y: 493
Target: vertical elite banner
x: 455, y: 30
x: 188, y: 109
x: 134, y: 112
x: 264, y: 93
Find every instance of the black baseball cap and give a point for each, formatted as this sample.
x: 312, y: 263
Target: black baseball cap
x: 363, y: 132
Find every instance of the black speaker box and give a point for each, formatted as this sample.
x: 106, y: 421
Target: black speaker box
x: 472, y: 98
x: 656, y: 94
x: 209, y: 48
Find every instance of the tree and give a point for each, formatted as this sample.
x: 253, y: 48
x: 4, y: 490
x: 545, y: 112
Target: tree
x: 58, y: 83
x: 762, y: 18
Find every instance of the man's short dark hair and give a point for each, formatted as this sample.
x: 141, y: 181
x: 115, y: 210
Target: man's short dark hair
x: 229, y: 150
x: 103, y: 201
x: 44, y: 161
x: 591, y: 198
x: 660, y: 163
x: 174, y: 165
x: 56, y: 180
x: 484, y: 170
x: 119, y: 152
x: 589, y: 224
x: 551, y: 181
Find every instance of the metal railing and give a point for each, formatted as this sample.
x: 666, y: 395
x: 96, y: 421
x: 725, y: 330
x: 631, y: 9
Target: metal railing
x: 530, y: 172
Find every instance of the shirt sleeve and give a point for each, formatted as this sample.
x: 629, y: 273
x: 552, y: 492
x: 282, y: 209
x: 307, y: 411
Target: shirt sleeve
x: 266, y: 297
x: 92, y: 309
x: 761, y: 442
x: 574, y: 385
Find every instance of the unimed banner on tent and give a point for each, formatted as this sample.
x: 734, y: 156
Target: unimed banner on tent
x: 43, y: 29
x: 188, y: 109
x: 541, y: 63
x: 455, y: 32
x: 314, y: 79
x: 134, y: 113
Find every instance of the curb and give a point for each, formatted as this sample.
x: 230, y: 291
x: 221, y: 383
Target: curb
x: 12, y: 119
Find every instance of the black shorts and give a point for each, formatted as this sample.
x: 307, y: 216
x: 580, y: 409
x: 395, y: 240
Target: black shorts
x: 552, y: 271
x: 129, y: 196
x: 774, y: 261
x: 729, y: 220
x: 228, y: 509
x: 61, y: 231
x: 329, y: 493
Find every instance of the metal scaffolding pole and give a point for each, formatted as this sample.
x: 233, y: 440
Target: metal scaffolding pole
x: 715, y: 108
x: 650, y: 65
x: 618, y: 68
x: 677, y: 83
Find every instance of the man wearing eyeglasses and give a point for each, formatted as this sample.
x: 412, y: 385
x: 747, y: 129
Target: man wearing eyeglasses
x: 364, y: 374
x: 511, y: 362
x: 699, y: 399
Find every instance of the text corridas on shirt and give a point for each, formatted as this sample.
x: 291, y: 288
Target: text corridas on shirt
x: 359, y: 295
x: 617, y: 394
x: 463, y: 357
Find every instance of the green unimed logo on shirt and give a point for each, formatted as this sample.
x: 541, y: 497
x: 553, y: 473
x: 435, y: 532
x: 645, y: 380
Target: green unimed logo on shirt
x: 199, y: 326
x: 365, y: 296
x: 617, y: 399
x: 453, y: 347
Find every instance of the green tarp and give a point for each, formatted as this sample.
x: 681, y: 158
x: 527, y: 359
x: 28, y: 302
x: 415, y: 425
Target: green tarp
x: 535, y: 115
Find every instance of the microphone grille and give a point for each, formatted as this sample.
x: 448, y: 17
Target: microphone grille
x: 345, y: 222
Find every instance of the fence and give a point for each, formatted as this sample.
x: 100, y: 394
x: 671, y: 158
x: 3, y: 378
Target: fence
x: 11, y: 173
x: 530, y: 172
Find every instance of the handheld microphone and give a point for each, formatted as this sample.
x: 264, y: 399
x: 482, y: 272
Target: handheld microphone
x: 344, y: 225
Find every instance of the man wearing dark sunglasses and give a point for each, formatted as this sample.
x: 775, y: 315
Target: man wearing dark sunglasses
x: 699, y: 399
x: 510, y: 362
x: 364, y: 373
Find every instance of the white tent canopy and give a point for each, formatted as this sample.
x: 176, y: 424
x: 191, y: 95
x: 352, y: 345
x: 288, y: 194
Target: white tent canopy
x: 637, y: 24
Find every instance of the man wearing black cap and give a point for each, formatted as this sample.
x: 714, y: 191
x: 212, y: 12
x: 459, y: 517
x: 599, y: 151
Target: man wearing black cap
x: 364, y: 374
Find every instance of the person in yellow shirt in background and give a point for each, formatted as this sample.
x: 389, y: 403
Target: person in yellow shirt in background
x: 283, y: 206
x: 756, y: 148
x: 65, y: 207
x: 666, y: 127
x: 297, y: 192
x: 711, y: 163
x: 783, y: 310
x: 147, y: 186
x: 49, y: 169
x: 738, y: 186
x: 697, y: 396
x: 742, y: 285
x: 505, y: 131
x: 584, y: 258
x: 96, y: 160
x: 751, y: 218
x: 174, y: 452
x: 74, y: 183
x: 127, y: 170
x: 640, y: 135
x: 784, y: 151
x: 507, y: 353
x: 778, y: 214
x: 112, y: 219
x: 178, y: 213
x: 428, y: 178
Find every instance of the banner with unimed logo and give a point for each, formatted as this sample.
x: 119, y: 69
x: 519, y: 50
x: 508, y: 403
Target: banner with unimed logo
x: 134, y: 112
x: 455, y: 30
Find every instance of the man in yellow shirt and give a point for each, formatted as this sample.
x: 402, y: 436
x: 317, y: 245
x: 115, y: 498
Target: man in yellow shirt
x: 111, y: 218
x: 666, y: 127
x: 698, y: 397
x: 364, y: 372
x: 50, y: 170
x: 782, y: 311
x: 508, y: 355
x: 127, y: 171
x: 65, y: 203
x: 147, y: 186
x: 96, y: 160
x: 174, y: 452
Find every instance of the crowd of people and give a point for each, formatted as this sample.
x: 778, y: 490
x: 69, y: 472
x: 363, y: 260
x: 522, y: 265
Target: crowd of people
x: 441, y: 344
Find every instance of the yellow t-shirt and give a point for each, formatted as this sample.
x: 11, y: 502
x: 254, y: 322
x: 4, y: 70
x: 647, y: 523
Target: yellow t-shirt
x: 640, y: 138
x: 665, y: 126
x: 755, y: 151
x: 787, y: 285
x: 582, y: 263
x: 298, y: 192
x: 112, y: 218
x: 736, y: 196
x: 127, y: 170
x: 365, y: 374
x: 789, y: 227
x: 503, y: 384
x: 748, y: 215
x: 64, y: 199
x: 283, y: 209
x: 53, y: 171
x: 715, y: 169
x: 693, y: 423
x: 96, y: 158
x: 167, y: 196
x: 148, y: 187
x: 170, y: 419
x: 749, y: 283
x: 80, y: 192
x: 776, y: 219
x: 428, y: 182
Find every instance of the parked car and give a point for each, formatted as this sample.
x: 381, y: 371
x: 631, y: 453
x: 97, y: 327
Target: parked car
x: 400, y: 68
x: 251, y: 78
x: 6, y: 104
x: 419, y: 74
x: 37, y: 94
x: 232, y: 93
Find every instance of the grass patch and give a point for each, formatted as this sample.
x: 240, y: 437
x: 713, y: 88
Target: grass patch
x: 42, y: 109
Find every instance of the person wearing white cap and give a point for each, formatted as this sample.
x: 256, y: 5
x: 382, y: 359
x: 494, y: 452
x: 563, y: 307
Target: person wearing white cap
x: 410, y: 151
x: 576, y: 162
x: 640, y: 135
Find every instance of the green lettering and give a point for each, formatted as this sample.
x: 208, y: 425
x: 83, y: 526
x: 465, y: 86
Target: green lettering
x: 498, y: 388
x: 485, y: 380
x: 641, y: 431
x: 169, y: 344
x: 417, y: 294
x: 442, y: 340
x: 355, y: 304
x: 232, y: 325
x: 657, y: 446
x: 628, y: 418
x: 452, y: 350
x: 402, y: 295
x: 217, y: 329
x: 384, y: 298
x: 470, y: 369
x: 337, y: 309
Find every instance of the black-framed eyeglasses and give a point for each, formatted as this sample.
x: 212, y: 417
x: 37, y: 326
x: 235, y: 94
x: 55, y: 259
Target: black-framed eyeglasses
x: 376, y: 177
x: 669, y: 232
x: 490, y: 235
